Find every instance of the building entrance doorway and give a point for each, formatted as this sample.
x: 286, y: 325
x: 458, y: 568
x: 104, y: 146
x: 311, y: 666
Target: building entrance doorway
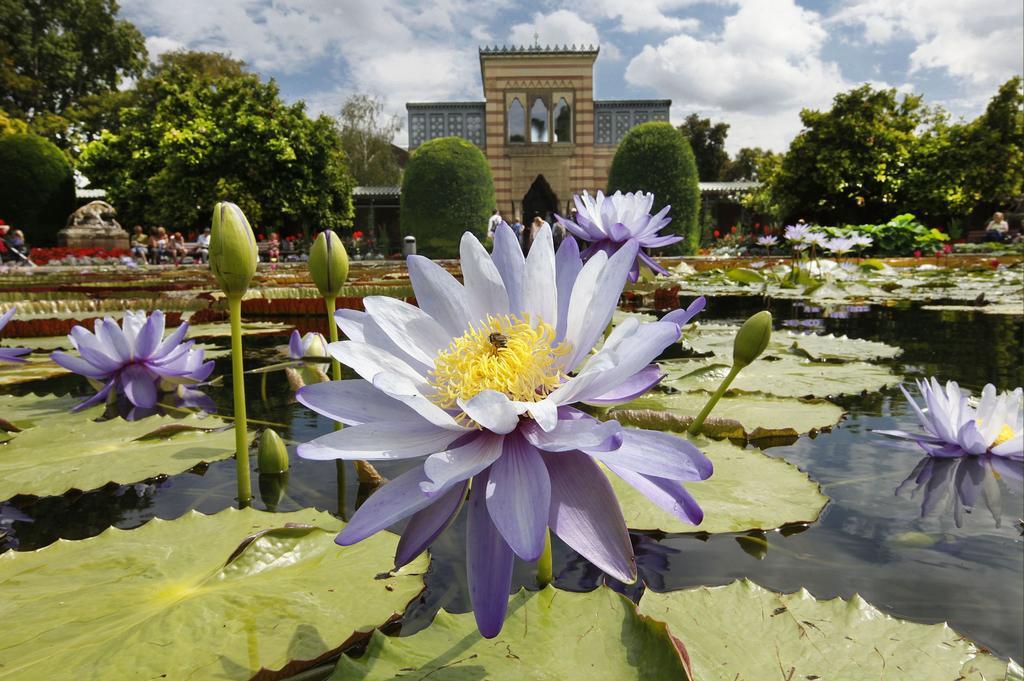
x: 539, y: 200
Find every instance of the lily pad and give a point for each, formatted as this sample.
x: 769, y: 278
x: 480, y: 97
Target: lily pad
x: 176, y: 599
x: 748, y: 491
x: 221, y: 329
x: 764, y: 415
x: 549, y: 634
x: 88, y: 454
x: 742, y: 631
x: 33, y: 369
x: 718, y: 338
x: 783, y: 377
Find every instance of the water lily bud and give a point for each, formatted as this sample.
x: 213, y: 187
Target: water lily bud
x: 328, y: 263
x: 273, y: 455
x: 752, y: 338
x: 233, y: 251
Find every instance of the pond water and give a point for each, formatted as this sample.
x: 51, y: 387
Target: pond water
x: 868, y: 540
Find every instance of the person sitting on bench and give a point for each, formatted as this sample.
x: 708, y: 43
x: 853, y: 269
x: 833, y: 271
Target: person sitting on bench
x: 997, y: 229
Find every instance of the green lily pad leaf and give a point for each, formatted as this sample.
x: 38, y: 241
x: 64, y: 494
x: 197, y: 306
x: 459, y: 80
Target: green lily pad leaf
x: 745, y: 275
x: 800, y: 637
x: 748, y: 491
x: 35, y: 368
x: 549, y: 634
x: 772, y: 416
x: 35, y: 462
x: 221, y: 329
x: 783, y: 377
x: 718, y: 338
x: 171, y: 600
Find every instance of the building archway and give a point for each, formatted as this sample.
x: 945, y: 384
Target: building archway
x: 540, y: 200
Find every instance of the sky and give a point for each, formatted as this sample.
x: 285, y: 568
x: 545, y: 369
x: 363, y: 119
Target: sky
x: 753, y: 64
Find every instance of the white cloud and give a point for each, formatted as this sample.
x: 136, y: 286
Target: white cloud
x: 157, y: 45
x: 646, y: 15
x: 757, y: 74
x: 561, y: 27
x: 980, y: 42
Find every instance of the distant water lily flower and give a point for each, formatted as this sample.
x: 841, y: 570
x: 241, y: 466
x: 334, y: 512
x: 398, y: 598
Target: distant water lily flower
x: 796, y: 233
x: 312, y: 344
x: 481, y: 379
x: 11, y: 354
x: 612, y: 222
x: 767, y: 241
x: 134, y: 358
x: 816, y: 239
x: 840, y: 245
x: 952, y: 427
x: 861, y: 240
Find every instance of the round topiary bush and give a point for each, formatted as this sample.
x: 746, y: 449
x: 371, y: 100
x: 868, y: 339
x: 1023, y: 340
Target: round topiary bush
x: 37, y: 187
x: 655, y: 157
x: 446, y: 190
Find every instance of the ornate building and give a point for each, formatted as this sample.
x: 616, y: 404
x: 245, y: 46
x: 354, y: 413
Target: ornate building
x: 543, y: 133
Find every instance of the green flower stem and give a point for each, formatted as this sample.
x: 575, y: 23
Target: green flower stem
x: 545, y: 574
x: 339, y: 470
x: 333, y: 333
x: 698, y: 422
x: 238, y: 384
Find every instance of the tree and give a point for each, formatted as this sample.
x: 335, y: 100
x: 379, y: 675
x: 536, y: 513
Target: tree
x: 707, y: 140
x: 37, y: 186
x: 655, y: 157
x: 366, y: 136
x: 447, y: 189
x: 201, y: 129
x: 748, y: 164
x: 56, y: 53
x: 851, y: 164
x: 995, y: 142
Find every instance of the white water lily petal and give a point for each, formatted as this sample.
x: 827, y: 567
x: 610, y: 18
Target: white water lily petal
x: 485, y: 291
x: 439, y: 294
x: 461, y: 462
x: 492, y: 410
x: 409, y: 327
x: 539, y: 285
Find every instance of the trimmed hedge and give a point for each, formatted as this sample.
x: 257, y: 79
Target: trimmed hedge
x: 37, y: 187
x: 656, y: 157
x: 447, y: 190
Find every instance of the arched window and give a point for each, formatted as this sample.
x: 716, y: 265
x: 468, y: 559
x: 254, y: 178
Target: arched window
x: 539, y: 121
x: 563, y: 121
x: 516, y: 121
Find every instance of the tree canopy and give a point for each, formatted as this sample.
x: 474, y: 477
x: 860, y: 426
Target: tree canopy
x: 447, y: 189
x: 59, y: 53
x: 37, y: 186
x: 707, y: 140
x: 199, y: 129
x: 366, y: 135
x: 655, y: 157
x: 874, y: 155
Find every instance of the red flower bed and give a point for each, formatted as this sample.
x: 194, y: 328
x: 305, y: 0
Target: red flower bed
x: 42, y: 256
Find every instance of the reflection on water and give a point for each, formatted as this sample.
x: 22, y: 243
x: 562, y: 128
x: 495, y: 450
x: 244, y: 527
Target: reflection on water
x: 957, y: 485
x: 918, y: 554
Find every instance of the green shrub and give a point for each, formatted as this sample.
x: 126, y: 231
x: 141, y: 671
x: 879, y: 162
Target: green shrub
x: 37, y: 187
x: 446, y: 190
x: 902, y: 235
x: 655, y: 157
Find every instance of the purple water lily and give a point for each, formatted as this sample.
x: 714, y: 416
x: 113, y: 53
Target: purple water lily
x: 767, y: 241
x: 313, y: 344
x: 953, y: 428
x: 483, y: 379
x: 611, y: 222
x: 11, y: 354
x: 134, y: 359
x: 796, y: 233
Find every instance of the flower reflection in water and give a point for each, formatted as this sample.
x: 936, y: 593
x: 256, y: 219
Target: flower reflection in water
x: 961, y: 483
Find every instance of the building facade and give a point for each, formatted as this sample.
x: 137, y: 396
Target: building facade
x: 543, y: 133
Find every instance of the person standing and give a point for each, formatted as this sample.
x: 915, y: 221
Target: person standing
x: 492, y: 223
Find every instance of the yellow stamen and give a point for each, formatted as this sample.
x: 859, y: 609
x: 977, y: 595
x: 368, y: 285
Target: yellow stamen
x: 506, y: 354
x: 1005, y: 433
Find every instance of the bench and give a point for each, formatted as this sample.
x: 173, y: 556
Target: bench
x: 976, y: 236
